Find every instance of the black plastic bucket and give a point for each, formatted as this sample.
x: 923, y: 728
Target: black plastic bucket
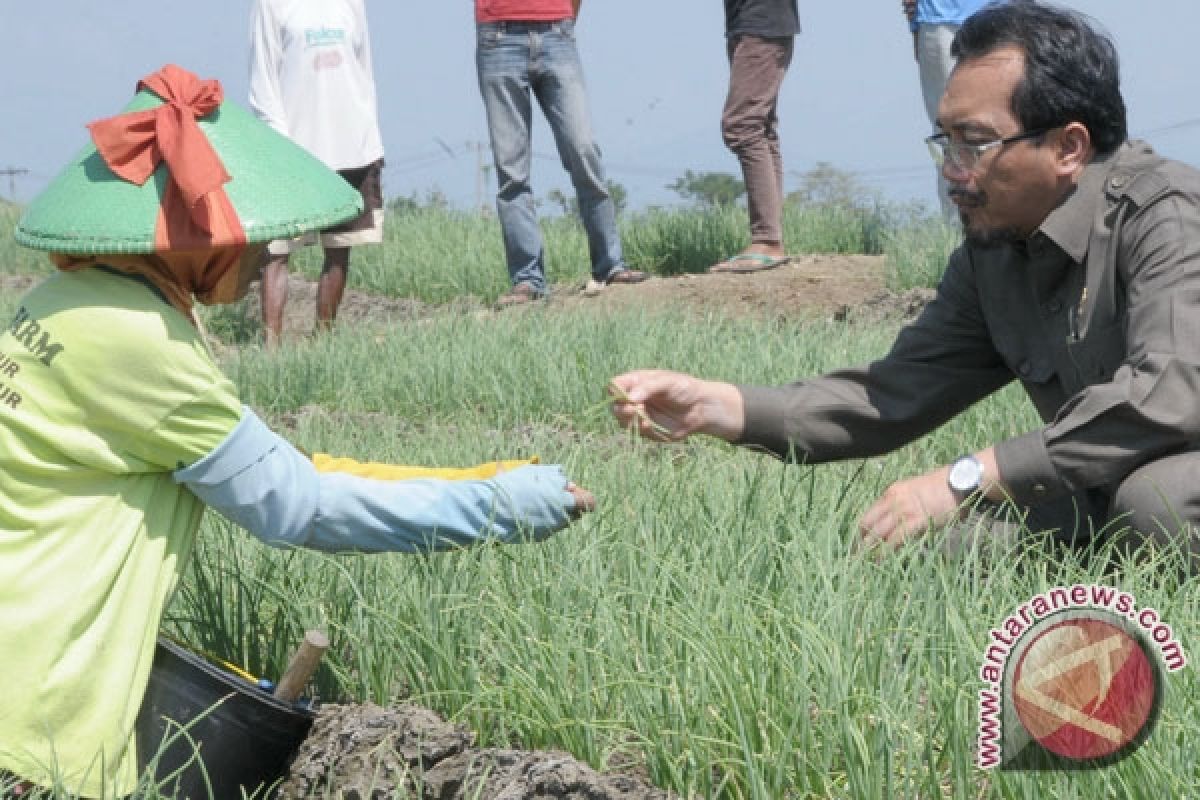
x: 198, y: 721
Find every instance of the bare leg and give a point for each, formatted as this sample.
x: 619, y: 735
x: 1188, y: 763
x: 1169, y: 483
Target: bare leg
x: 274, y: 298
x: 331, y: 285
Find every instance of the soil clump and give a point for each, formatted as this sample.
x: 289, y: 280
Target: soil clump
x: 365, y: 752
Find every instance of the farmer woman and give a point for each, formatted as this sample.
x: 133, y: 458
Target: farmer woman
x: 117, y: 428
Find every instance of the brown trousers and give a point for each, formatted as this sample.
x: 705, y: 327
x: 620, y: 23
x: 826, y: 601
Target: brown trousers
x: 749, y: 126
x: 1156, y: 505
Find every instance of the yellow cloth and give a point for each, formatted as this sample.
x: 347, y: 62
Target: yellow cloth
x: 397, y: 472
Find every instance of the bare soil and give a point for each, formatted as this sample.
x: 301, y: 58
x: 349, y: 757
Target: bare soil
x: 363, y: 751
x: 810, y: 286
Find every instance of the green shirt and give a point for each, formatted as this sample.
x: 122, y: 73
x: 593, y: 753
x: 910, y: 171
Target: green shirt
x: 104, y: 391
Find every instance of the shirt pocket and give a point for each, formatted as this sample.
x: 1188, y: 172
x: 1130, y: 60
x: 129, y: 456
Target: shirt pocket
x: 488, y: 36
x: 566, y: 29
x: 1097, y: 356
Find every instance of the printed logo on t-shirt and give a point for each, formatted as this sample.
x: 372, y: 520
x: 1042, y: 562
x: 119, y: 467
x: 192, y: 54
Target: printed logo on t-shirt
x: 28, y: 333
x: 324, y: 37
x: 329, y: 42
x: 9, y: 396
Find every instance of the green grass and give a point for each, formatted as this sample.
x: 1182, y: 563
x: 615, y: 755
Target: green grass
x: 14, y: 258
x: 917, y: 250
x: 713, y: 617
x: 437, y: 255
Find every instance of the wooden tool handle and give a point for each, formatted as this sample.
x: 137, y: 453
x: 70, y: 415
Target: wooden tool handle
x: 303, y: 664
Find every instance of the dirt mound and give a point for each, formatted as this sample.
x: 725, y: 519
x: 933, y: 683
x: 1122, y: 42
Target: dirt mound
x: 843, y: 287
x: 357, y: 307
x: 808, y: 286
x: 356, y: 752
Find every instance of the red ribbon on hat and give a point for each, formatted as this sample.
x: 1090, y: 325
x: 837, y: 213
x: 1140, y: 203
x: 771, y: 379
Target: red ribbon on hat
x: 196, y: 213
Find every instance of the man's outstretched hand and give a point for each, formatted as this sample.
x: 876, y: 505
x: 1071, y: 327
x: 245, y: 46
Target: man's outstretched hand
x: 908, y: 508
x: 912, y: 506
x: 669, y: 406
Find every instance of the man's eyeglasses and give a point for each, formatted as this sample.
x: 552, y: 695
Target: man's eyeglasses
x: 966, y: 157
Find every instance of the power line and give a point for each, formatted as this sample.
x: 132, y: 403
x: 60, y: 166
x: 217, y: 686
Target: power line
x: 417, y: 165
x: 882, y: 175
x: 481, y: 173
x: 1175, y: 126
x: 12, y: 173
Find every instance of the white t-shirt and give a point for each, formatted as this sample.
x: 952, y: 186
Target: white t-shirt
x: 311, y: 78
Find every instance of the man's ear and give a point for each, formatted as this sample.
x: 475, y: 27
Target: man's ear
x: 1074, y: 148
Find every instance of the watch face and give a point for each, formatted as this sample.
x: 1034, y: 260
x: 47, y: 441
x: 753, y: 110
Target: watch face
x: 966, y: 474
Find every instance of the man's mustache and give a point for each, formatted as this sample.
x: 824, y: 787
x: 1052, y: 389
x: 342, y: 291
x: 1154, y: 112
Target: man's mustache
x: 967, y: 199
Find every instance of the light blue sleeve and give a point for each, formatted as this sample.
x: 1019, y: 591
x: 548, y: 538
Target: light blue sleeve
x: 261, y: 482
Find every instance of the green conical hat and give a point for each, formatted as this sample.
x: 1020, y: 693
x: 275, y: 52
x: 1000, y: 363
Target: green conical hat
x: 278, y: 190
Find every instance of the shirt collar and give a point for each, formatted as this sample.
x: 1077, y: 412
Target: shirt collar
x: 1070, y: 224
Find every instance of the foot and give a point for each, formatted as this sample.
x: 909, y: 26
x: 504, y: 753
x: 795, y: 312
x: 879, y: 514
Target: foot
x: 753, y: 259
x: 625, y: 276
x: 520, y: 295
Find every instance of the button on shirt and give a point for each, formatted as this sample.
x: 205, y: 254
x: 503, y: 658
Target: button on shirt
x: 1097, y: 314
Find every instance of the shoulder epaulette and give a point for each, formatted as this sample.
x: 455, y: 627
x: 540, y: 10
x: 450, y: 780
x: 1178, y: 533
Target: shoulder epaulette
x: 1141, y: 188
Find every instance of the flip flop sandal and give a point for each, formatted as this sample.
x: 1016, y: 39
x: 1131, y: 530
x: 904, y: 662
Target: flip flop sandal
x: 519, y: 295
x: 745, y: 263
x: 626, y: 276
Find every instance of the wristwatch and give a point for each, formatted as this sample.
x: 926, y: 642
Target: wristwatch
x: 966, y: 476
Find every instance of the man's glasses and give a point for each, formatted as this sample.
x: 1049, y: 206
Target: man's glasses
x: 966, y: 157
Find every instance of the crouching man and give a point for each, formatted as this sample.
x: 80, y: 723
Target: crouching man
x: 1079, y: 277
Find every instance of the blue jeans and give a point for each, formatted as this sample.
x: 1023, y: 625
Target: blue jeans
x: 515, y: 60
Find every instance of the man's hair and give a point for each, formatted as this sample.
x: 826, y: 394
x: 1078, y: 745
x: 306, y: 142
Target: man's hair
x: 1071, y: 68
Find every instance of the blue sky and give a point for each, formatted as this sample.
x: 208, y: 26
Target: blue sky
x: 656, y: 71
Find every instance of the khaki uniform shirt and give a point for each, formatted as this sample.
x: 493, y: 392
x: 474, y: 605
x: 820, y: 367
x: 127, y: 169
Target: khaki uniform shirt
x: 1097, y: 314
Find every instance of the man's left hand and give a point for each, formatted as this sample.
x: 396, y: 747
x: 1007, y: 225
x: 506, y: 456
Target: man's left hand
x: 909, y: 507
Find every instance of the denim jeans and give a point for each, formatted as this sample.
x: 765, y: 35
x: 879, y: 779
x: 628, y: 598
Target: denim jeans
x: 516, y: 60
x: 934, y: 63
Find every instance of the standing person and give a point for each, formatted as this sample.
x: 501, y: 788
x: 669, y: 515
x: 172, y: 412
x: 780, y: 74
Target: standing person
x: 1079, y: 277
x: 117, y: 428
x: 311, y: 80
x: 933, y: 24
x: 527, y: 48
x: 760, y: 36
